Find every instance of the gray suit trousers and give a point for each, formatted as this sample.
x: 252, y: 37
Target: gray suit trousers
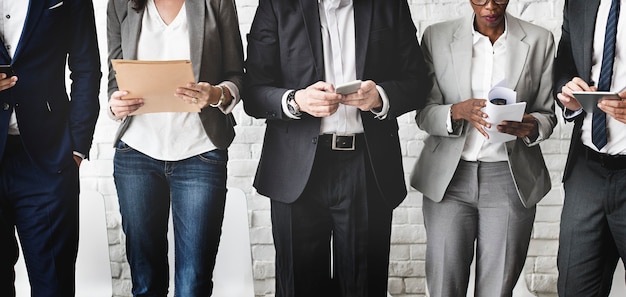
x: 481, y: 208
x: 593, y: 228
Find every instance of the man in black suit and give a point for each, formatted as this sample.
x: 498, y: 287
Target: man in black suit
x: 44, y: 136
x: 331, y: 163
x: 591, y: 57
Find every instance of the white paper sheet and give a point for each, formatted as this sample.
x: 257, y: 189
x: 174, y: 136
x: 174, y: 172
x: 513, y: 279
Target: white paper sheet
x: 512, y: 111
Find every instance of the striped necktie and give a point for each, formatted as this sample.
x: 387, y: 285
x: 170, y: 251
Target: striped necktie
x: 598, y: 126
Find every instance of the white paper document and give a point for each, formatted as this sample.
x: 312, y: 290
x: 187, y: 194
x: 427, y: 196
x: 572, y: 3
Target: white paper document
x: 511, y: 111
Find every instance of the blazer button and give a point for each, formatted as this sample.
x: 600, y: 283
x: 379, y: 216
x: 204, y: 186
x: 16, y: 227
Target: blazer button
x: 5, y: 106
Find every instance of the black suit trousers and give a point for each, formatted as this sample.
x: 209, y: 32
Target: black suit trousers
x: 340, y: 216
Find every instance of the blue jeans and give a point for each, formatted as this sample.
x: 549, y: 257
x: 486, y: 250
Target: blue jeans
x: 196, y: 188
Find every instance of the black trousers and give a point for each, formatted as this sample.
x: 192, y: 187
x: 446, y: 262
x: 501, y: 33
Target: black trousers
x: 341, y: 209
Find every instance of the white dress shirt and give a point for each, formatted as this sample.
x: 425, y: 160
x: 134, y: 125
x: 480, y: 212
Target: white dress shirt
x: 487, y: 70
x: 338, y: 40
x: 167, y: 136
x: 12, y: 18
x: 616, y: 131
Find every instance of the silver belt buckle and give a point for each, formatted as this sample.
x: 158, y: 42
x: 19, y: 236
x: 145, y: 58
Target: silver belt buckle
x: 343, y: 142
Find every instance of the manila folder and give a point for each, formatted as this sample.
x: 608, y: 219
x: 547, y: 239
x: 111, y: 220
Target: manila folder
x: 156, y: 83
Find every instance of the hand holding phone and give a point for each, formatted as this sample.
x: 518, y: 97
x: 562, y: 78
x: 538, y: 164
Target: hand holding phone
x: 7, y: 69
x: 348, y: 88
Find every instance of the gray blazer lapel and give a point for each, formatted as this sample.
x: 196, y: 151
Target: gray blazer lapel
x: 196, y: 10
x: 517, y: 52
x: 461, y: 48
x: 131, y: 32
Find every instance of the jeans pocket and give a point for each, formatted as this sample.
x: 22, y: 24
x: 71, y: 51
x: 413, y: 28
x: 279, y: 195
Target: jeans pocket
x: 122, y: 147
x: 216, y: 156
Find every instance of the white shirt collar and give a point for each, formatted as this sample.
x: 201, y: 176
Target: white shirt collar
x: 477, y: 35
x: 334, y: 4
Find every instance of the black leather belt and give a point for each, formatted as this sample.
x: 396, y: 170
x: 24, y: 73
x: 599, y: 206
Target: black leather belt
x: 611, y: 162
x: 336, y: 142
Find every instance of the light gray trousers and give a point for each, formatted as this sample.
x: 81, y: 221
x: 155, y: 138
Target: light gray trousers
x: 481, y: 208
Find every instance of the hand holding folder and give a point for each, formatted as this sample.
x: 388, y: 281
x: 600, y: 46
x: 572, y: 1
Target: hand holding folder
x: 156, y: 83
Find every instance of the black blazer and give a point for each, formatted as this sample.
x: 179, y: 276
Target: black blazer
x: 51, y: 125
x: 574, y: 59
x: 285, y: 52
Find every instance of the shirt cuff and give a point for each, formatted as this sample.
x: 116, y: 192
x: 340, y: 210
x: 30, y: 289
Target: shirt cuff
x: 382, y: 114
x: 539, y: 139
x: 82, y: 156
x: 234, y: 93
x: 570, y: 114
x: 533, y: 143
x: 452, y: 125
x: 283, y: 102
x: 449, y: 126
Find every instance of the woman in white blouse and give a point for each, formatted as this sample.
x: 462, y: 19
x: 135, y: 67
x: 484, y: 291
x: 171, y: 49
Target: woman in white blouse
x: 176, y: 158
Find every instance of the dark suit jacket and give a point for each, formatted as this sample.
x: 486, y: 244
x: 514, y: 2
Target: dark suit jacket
x: 216, y: 54
x: 574, y: 59
x: 51, y: 126
x: 285, y: 52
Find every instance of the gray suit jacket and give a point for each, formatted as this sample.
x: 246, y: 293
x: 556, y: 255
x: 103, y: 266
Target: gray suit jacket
x: 447, y: 50
x: 216, y: 54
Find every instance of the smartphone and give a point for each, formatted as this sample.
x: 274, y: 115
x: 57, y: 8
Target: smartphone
x: 7, y: 69
x: 348, y: 88
x: 589, y: 100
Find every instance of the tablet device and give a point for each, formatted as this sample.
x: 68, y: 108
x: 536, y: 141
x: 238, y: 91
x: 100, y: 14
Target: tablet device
x: 348, y: 88
x: 589, y: 100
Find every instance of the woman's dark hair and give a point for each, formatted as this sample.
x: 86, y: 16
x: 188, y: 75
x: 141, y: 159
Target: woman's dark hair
x: 139, y: 4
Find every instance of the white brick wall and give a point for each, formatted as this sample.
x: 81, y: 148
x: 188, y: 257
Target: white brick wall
x: 408, y: 239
